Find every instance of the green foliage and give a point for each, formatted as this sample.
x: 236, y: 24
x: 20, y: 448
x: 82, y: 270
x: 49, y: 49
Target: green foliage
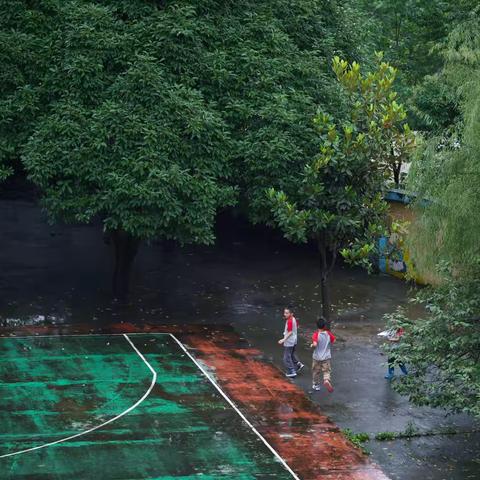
x: 277, y: 57
x: 150, y: 114
x: 439, y: 100
x: 385, y: 436
x: 5, y: 171
x: 412, y: 34
x: 410, y: 431
x: 442, y: 349
x: 447, y: 170
x: 21, y: 33
x: 359, y: 254
x: 358, y: 439
x: 408, y: 30
x: 339, y: 199
x: 435, y: 104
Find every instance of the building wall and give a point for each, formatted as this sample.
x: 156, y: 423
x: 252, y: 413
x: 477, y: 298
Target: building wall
x: 394, y: 256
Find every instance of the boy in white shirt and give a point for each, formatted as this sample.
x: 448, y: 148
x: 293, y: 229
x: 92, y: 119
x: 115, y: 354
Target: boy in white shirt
x: 321, y: 341
x: 289, y: 341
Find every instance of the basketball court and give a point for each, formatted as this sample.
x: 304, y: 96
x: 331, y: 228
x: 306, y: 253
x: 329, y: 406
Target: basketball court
x: 131, y: 406
x: 150, y: 402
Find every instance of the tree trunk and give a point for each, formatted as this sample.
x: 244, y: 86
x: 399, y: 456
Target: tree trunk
x: 325, y: 269
x: 397, y: 167
x: 125, y: 249
x: 324, y: 287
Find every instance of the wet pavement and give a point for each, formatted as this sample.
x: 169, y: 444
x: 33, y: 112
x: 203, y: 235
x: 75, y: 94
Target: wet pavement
x: 93, y: 403
x: 61, y: 275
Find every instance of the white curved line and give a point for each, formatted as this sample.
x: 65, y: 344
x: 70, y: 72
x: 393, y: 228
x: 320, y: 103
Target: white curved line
x: 154, y: 380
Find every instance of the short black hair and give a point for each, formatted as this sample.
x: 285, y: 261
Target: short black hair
x: 321, y: 322
x: 289, y: 308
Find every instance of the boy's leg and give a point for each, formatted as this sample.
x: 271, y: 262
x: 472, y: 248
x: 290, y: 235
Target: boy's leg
x: 298, y: 364
x: 327, y: 373
x: 294, y: 357
x: 287, y: 361
x: 316, y: 373
x: 391, y: 368
x: 403, y: 368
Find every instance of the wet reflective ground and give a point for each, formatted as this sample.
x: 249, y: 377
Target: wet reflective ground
x: 62, y: 275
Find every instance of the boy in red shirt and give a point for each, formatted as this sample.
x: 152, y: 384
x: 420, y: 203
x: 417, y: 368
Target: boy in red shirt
x: 289, y: 341
x: 321, y: 341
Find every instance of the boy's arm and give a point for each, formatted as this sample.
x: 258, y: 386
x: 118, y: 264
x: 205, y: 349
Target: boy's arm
x: 289, y: 331
x: 314, y: 340
x: 285, y: 337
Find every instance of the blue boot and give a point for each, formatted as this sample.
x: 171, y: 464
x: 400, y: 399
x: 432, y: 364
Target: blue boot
x: 403, y: 368
x: 390, y: 374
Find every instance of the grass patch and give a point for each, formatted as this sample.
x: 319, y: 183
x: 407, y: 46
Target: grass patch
x: 411, y: 430
x: 382, y: 436
x: 358, y: 439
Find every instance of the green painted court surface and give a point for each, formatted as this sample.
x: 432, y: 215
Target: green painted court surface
x: 52, y: 388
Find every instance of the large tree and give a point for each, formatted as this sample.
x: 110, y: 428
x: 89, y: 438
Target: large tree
x: 443, y: 348
x: 339, y: 203
x: 149, y: 115
x: 412, y: 34
x: 122, y: 139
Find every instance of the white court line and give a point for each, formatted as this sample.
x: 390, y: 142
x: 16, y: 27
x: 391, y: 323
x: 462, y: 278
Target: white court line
x: 230, y: 402
x: 154, y: 380
x: 83, y: 335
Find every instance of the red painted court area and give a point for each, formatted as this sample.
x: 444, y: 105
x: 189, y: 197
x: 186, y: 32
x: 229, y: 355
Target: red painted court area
x: 312, y: 446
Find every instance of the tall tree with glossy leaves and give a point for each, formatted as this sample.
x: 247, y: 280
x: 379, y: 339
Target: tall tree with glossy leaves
x: 339, y: 203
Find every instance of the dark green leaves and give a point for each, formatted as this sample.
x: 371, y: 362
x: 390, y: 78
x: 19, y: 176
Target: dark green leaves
x: 442, y: 348
x: 152, y: 115
x: 339, y: 191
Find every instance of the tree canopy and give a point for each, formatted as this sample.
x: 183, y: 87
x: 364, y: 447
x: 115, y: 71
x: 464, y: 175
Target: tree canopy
x: 153, y: 115
x: 413, y: 33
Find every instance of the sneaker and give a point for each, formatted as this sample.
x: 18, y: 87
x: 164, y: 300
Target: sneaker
x: 300, y: 365
x: 291, y: 374
x: 316, y: 387
x: 328, y: 386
